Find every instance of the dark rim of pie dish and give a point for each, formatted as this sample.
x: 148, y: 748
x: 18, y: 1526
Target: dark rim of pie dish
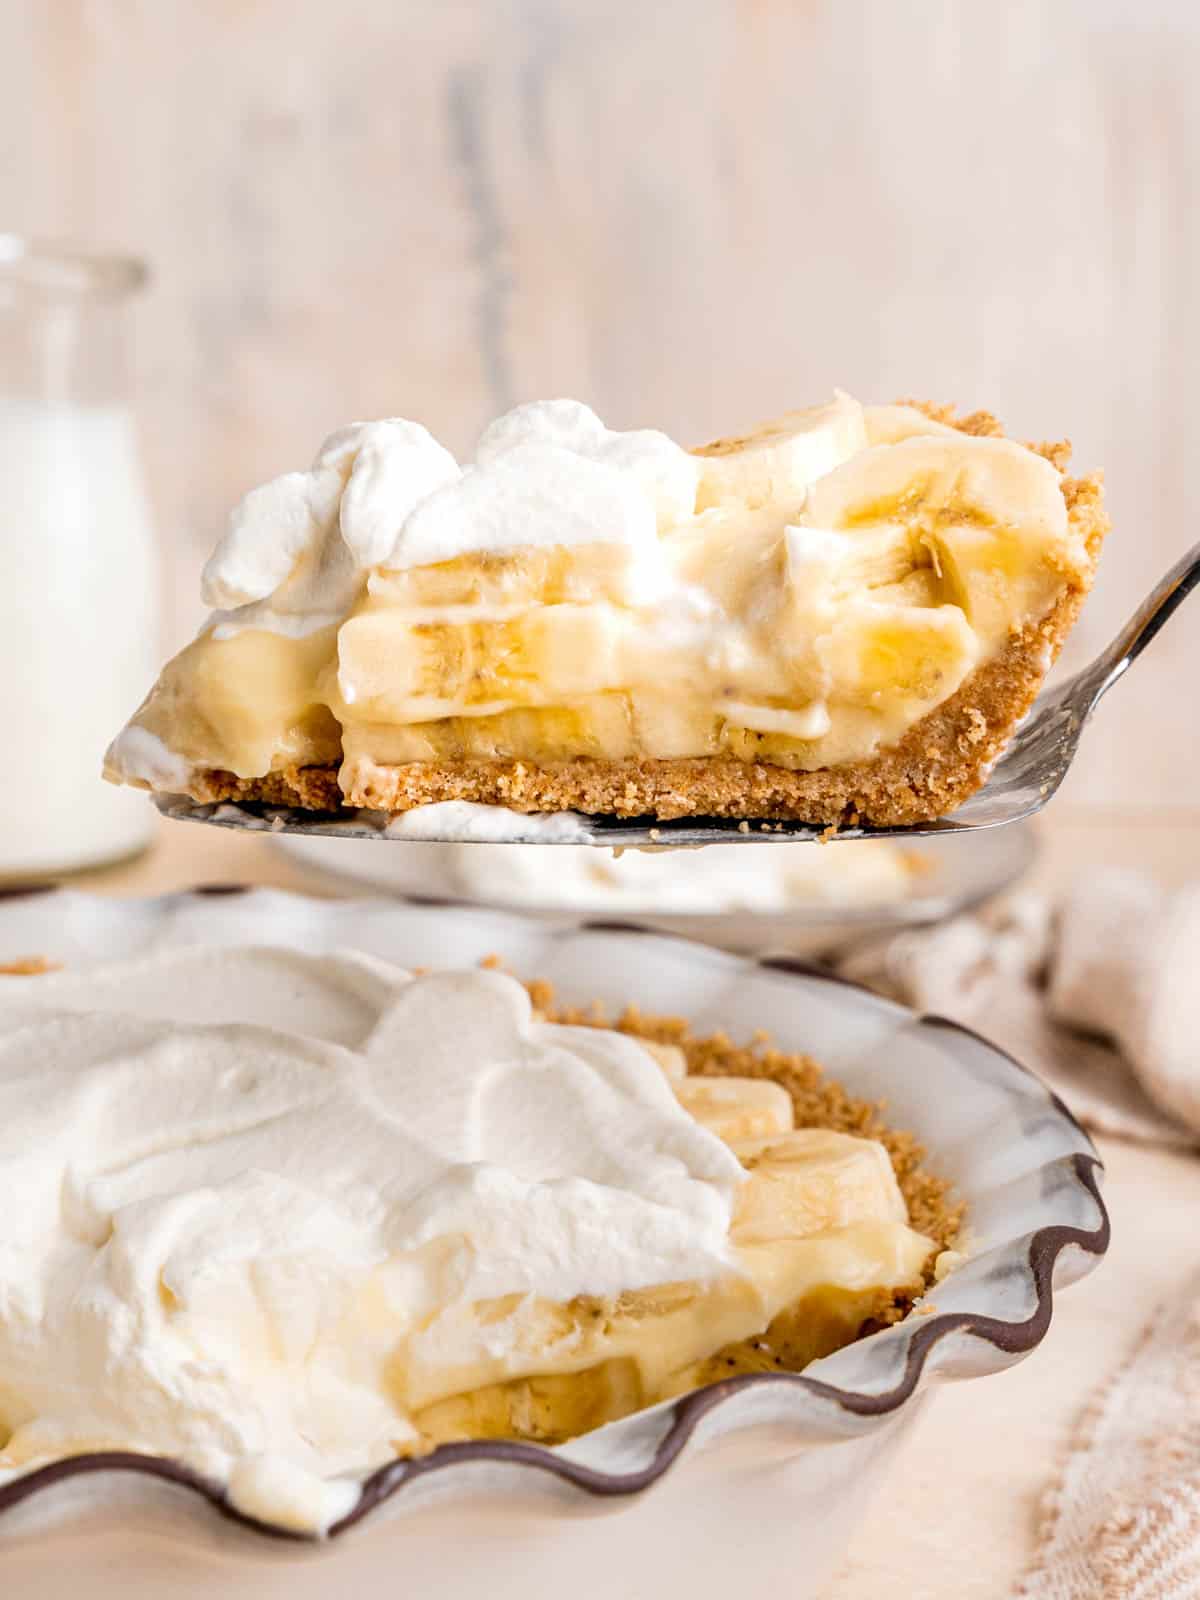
x: 1012, y: 1339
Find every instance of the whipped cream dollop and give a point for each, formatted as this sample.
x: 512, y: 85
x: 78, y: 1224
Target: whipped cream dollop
x: 225, y: 1238
x: 668, y: 474
x: 297, y: 549
x: 388, y: 495
x: 532, y: 494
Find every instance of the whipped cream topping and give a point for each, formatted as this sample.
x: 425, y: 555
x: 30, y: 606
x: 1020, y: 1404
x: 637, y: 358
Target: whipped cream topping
x: 666, y: 472
x: 221, y: 1234
x: 769, y: 465
x: 533, y: 494
x: 305, y: 541
x: 387, y: 494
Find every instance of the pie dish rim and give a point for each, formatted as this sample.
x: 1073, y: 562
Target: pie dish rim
x: 995, y: 1340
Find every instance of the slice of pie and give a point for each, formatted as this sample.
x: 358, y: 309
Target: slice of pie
x: 845, y: 611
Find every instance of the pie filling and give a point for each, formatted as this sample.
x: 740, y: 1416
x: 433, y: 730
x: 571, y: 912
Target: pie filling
x: 364, y: 1213
x: 799, y: 597
x: 821, y: 1244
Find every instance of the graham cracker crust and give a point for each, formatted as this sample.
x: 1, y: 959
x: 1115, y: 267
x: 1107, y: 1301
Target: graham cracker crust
x: 28, y: 967
x: 938, y: 764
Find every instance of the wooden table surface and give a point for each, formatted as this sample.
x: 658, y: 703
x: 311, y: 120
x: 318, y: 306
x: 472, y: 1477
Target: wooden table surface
x: 956, y: 1520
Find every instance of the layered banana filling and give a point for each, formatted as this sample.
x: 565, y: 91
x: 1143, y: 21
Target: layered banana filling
x: 368, y: 1212
x: 800, y: 596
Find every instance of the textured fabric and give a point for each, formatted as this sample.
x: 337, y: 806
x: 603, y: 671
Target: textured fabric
x: 1123, y: 1517
x: 1101, y: 996
x: 1098, y: 995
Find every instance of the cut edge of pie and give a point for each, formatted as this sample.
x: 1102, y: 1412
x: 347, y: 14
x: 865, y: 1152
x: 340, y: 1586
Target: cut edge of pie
x: 555, y: 1406
x: 819, y: 1101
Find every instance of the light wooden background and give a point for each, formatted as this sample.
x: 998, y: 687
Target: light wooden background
x: 691, y: 213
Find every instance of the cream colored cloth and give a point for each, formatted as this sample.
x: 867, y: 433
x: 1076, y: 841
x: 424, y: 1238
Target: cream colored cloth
x: 1100, y: 995
x: 1123, y: 1518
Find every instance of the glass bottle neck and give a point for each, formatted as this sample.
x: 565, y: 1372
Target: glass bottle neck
x: 63, y: 324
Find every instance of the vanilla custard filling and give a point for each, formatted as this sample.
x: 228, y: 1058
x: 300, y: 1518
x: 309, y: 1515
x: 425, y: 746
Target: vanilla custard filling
x: 800, y: 596
x: 365, y: 1212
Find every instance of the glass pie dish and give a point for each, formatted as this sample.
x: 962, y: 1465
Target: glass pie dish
x: 753, y: 1477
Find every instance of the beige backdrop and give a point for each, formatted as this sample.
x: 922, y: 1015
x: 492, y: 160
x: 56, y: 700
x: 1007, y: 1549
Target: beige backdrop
x: 689, y: 212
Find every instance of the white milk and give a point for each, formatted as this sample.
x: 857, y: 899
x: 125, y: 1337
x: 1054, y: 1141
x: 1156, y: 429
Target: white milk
x: 79, y: 631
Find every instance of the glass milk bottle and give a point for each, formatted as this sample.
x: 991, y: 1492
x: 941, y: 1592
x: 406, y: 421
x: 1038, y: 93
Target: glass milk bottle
x: 79, y: 586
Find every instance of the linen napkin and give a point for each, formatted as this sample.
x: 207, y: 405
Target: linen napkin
x: 1099, y: 994
x: 1122, y: 1520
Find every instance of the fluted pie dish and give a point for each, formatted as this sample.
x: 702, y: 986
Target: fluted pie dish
x: 791, y: 1454
x: 838, y: 616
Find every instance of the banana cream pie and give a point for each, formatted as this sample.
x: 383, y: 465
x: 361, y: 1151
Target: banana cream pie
x: 843, y: 612
x: 287, y: 1218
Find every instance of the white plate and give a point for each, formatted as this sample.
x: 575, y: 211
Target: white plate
x: 956, y: 873
x: 750, y: 1487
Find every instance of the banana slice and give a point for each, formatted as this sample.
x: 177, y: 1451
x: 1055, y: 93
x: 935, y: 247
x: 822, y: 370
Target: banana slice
x: 977, y: 481
x: 830, y: 576
x: 812, y: 1180
x: 990, y: 512
x: 737, y: 1108
x: 679, y: 724
x: 466, y: 1347
x: 821, y: 1235
x: 811, y: 721
x: 499, y: 583
x: 392, y: 671
x: 890, y: 424
x: 885, y: 661
x: 549, y: 1409
x: 778, y: 460
x: 922, y: 587
x: 878, y: 557
x: 899, y: 660
x: 594, y: 725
